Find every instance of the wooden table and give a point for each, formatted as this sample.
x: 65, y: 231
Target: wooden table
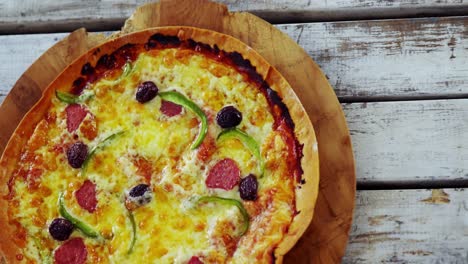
x: 400, y: 69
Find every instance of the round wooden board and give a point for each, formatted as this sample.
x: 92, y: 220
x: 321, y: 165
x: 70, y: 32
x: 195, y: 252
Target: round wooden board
x: 326, y: 238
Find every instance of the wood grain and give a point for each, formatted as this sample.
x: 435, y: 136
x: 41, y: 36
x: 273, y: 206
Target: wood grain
x: 390, y: 59
x: 398, y: 227
x: 412, y: 142
x: 18, y: 52
x: 325, y: 239
x: 48, y: 15
x: 364, y: 60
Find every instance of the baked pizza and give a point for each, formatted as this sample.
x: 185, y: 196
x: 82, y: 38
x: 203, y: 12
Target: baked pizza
x: 170, y: 145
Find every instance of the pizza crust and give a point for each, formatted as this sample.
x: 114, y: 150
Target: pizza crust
x: 306, y: 195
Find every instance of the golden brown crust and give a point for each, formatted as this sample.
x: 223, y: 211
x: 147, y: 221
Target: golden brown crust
x: 305, y: 195
x: 8, y: 161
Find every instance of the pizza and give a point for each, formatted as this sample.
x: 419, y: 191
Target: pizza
x: 169, y: 145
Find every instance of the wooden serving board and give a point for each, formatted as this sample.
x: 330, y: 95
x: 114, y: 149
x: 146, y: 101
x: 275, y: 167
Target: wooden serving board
x: 326, y: 238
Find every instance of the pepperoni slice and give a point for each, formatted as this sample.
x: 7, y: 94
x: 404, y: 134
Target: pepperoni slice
x: 75, y: 115
x: 71, y: 252
x: 195, y: 260
x: 86, y: 196
x: 170, y: 109
x: 225, y: 175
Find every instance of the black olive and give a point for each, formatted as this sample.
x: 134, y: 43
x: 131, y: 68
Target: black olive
x: 77, y: 154
x: 248, y: 188
x: 60, y: 229
x: 228, y: 117
x: 140, y: 194
x: 146, y: 92
x: 139, y: 190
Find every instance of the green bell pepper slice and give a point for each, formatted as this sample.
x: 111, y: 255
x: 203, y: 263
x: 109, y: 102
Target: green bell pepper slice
x: 84, y: 227
x: 132, y: 242
x: 99, y: 146
x: 233, y: 202
x: 248, y: 141
x: 71, y: 98
x: 180, y: 99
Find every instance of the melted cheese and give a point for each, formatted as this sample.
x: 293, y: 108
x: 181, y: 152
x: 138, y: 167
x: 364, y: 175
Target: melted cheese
x: 172, y: 227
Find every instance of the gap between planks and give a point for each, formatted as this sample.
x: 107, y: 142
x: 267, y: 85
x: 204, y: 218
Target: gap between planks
x: 34, y: 16
x: 415, y: 184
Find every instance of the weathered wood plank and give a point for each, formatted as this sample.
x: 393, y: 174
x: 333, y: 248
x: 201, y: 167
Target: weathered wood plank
x: 365, y: 60
x: 48, y: 16
x: 390, y: 59
x: 398, y: 227
x: 18, y: 52
x: 409, y: 143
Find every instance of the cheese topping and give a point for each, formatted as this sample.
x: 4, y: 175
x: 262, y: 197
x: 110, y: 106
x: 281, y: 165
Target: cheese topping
x: 155, y: 149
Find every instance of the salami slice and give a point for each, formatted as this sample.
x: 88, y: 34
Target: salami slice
x: 86, y: 196
x: 195, y: 260
x: 75, y: 115
x: 170, y: 109
x: 225, y: 175
x: 71, y: 252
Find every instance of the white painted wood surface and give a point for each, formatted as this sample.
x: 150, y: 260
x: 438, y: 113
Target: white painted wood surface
x: 388, y: 59
x: 18, y: 52
x: 66, y: 15
x: 396, y: 226
x: 365, y: 60
x: 410, y: 143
